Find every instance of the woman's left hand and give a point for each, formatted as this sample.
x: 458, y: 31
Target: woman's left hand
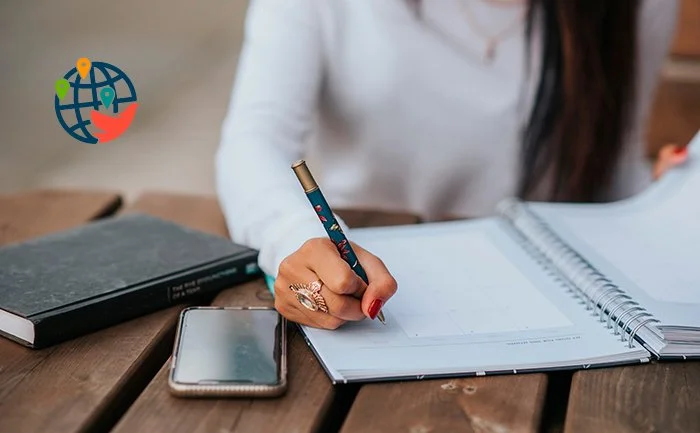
x: 670, y: 156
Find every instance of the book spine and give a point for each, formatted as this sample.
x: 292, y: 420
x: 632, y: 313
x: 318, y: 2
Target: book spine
x: 595, y: 291
x: 96, y: 314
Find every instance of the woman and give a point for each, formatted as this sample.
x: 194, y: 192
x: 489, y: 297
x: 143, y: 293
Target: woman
x: 433, y: 108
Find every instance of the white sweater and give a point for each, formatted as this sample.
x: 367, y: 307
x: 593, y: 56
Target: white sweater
x: 391, y: 112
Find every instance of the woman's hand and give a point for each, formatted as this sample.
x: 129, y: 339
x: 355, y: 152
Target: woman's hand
x: 670, y: 156
x: 346, y: 295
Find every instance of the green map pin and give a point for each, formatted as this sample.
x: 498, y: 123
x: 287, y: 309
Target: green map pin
x: 107, y: 96
x: 62, y: 85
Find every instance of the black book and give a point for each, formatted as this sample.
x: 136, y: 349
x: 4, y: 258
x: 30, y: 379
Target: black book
x: 70, y: 283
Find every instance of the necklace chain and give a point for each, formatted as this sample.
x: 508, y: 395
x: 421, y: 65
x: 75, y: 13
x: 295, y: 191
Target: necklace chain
x: 492, y: 40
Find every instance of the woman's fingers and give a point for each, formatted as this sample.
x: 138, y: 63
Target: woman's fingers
x: 341, y: 279
x: 322, y: 257
x: 287, y: 305
x: 345, y: 294
x: 670, y: 156
x: 339, y: 305
x: 382, y: 284
x: 315, y: 261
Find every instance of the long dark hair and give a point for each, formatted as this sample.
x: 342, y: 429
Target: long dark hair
x: 584, y: 98
x: 585, y: 91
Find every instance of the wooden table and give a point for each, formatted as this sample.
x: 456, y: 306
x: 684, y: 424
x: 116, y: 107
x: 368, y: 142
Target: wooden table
x: 115, y: 379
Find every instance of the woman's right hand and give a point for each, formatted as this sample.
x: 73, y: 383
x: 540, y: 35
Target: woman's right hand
x: 347, y: 297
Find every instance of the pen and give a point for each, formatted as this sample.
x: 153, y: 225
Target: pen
x: 335, y: 232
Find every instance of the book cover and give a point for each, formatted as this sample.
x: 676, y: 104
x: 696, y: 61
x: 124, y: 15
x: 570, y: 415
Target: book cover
x: 70, y: 283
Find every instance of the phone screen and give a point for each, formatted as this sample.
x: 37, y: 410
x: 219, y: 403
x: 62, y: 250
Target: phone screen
x: 229, y: 345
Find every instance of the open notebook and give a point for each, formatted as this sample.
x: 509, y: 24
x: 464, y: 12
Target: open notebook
x: 540, y: 287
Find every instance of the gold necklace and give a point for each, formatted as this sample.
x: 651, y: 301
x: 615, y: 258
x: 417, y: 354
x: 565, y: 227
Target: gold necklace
x: 492, y: 41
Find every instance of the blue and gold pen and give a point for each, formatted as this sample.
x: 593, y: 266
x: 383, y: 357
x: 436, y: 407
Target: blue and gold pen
x: 335, y: 232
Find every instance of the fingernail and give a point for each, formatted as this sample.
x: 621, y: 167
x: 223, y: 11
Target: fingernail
x: 374, y: 308
x: 679, y: 155
x: 680, y: 151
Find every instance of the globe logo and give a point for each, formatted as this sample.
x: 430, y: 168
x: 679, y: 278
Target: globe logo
x: 95, y: 102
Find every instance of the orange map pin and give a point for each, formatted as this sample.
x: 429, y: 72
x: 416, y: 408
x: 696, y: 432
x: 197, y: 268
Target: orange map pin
x: 83, y: 64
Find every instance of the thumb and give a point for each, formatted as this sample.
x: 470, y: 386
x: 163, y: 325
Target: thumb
x: 382, y: 284
x: 670, y: 156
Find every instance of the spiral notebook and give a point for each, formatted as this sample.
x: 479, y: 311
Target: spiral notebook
x: 539, y: 287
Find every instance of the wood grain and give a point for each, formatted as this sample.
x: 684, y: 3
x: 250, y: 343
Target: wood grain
x: 368, y: 218
x: 663, y: 397
x: 24, y: 216
x: 86, y: 384
x: 308, y: 405
x: 36, y: 213
x: 479, y: 404
x: 302, y: 409
x: 196, y: 211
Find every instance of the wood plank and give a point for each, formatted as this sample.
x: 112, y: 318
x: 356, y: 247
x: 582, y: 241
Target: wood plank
x: 27, y: 215
x: 309, y: 405
x: 368, y: 218
x: 30, y: 214
x: 661, y: 397
x: 478, y: 404
x: 198, y: 212
x: 308, y: 398
x: 86, y: 384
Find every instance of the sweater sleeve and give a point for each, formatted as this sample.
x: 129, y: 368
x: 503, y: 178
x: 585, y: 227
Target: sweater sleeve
x: 269, y: 117
x: 655, y: 31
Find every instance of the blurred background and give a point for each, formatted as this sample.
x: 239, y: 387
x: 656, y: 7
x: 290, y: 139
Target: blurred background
x: 181, y: 56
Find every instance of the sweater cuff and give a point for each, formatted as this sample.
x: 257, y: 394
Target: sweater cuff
x: 287, y: 237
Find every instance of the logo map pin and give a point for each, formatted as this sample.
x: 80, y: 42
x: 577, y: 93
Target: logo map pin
x: 62, y: 85
x: 83, y: 65
x: 107, y: 96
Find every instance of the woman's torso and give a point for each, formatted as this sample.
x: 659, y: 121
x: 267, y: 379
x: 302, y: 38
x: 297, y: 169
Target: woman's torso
x: 412, y: 115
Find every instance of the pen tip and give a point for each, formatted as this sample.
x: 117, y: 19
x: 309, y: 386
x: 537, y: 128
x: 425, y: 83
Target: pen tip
x: 381, y: 318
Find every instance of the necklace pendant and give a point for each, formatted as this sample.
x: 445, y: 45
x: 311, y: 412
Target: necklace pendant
x: 490, y: 52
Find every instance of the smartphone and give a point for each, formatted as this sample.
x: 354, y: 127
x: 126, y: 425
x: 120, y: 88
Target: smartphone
x: 229, y: 352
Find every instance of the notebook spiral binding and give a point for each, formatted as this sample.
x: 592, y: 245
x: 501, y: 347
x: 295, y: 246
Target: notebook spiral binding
x: 593, y: 289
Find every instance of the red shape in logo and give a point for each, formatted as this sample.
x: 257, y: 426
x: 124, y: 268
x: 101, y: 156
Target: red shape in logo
x: 115, y: 126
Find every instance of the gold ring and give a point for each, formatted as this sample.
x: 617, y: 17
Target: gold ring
x: 309, y: 295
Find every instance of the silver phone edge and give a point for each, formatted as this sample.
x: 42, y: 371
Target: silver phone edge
x: 213, y: 391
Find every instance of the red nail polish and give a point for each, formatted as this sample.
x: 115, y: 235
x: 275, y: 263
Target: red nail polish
x: 374, y: 308
x: 680, y: 151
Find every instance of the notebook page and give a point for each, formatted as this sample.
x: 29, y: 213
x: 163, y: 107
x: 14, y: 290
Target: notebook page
x: 495, y: 305
x: 469, y: 299
x: 648, y: 245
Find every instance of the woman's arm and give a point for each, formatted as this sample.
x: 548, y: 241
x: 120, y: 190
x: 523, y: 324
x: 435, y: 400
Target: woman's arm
x: 270, y: 115
x: 655, y: 31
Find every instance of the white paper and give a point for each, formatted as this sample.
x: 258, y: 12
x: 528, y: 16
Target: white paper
x: 649, y: 245
x: 479, y: 291
x: 470, y: 299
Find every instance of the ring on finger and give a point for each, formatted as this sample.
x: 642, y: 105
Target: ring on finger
x: 309, y: 295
